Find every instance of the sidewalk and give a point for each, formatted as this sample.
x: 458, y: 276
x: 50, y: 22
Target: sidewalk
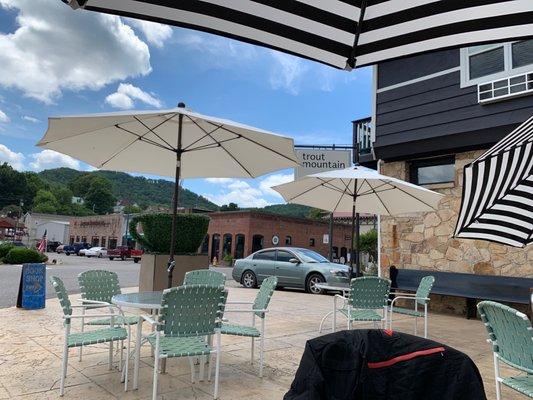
x: 30, y: 354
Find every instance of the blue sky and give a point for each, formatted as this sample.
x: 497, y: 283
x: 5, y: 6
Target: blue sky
x: 55, y: 61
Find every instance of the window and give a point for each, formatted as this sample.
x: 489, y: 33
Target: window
x: 433, y: 170
x: 239, y: 245
x: 269, y: 255
x: 288, y: 240
x: 77, y: 239
x: 285, y: 256
x: 84, y: 239
x: 102, y: 241
x: 481, y: 64
x: 112, y: 243
x: 226, y: 244
x: 257, y: 243
x: 312, y: 242
x: 95, y: 241
x: 204, y: 248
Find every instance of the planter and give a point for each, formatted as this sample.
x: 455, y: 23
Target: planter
x: 153, y: 274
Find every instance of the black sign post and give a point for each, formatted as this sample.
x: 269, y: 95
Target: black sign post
x: 32, y: 287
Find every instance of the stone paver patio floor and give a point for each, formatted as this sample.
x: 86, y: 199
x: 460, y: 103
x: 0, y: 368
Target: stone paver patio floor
x: 30, y: 354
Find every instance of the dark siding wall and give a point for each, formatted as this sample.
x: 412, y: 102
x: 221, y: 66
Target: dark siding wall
x: 436, y: 115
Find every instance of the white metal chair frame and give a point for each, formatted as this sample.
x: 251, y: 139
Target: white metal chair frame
x: 261, y: 331
x: 345, y: 300
x: 411, y: 296
x: 157, y: 334
x: 112, y: 316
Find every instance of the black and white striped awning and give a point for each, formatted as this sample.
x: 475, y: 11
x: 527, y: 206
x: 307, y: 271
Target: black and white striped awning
x: 497, y: 200
x: 341, y: 33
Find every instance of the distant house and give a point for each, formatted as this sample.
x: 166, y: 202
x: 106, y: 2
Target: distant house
x: 11, y: 229
x: 56, y: 227
x: 77, y: 200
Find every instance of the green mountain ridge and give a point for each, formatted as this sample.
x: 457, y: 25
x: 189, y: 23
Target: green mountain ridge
x: 136, y: 189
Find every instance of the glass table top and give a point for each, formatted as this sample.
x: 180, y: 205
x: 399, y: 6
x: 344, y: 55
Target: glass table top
x: 333, y: 286
x: 138, y: 300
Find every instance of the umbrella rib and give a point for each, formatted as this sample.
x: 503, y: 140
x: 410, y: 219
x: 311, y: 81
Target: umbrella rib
x: 330, y: 186
x: 153, y: 131
x: 340, y: 198
x: 346, y: 187
x: 223, y: 148
x: 257, y: 143
x: 306, y: 191
x: 92, y: 131
x: 414, y: 197
x: 186, y: 148
x: 141, y: 138
x: 379, y: 198
x: 209, y: 146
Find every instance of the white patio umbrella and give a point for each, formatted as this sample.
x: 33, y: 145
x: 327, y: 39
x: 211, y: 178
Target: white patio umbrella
x: 359, y: 189
x: 177, y: 143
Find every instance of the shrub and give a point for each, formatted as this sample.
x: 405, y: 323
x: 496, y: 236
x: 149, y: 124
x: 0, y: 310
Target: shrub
x: 228, y: 259
x: 156, y: 231
x: 22, y: 255
x: 4, y: 249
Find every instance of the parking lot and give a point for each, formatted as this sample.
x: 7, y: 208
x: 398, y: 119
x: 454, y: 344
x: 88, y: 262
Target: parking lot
x: 67, y: 268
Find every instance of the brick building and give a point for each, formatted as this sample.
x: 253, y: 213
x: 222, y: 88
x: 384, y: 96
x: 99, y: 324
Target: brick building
x: 241, y: 233
x: 98, y: 230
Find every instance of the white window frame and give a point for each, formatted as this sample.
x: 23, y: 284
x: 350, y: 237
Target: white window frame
x: 508, y: 71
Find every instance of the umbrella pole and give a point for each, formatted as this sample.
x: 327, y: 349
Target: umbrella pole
x: 175, y: 201
x: 353, y: 231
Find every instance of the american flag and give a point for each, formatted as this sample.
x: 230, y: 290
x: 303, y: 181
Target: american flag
x: 42, y: 244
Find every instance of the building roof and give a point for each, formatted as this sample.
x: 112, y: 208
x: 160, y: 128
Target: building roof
x: 267, y: 215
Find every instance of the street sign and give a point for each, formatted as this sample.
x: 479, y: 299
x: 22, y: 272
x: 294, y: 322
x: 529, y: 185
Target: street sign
x: 325, y: 238
x: 313, y: 161
x: 32, y: 287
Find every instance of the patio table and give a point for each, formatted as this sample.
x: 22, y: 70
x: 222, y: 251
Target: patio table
x: 140, y: 300
x: 345, y: 289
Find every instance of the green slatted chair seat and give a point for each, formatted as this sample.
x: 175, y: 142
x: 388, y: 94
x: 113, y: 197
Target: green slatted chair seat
x: 129, y: 320
x: 408, y: 311
x: 240, y: 330
x: 362, y: 315
x: 171, y: 346
x: 522, y: 384
x: 97, y: 336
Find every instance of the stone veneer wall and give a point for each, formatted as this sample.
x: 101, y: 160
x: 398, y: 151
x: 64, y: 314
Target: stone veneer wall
x: 424, y: 241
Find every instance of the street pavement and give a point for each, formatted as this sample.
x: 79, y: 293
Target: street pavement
x: 68, y: 268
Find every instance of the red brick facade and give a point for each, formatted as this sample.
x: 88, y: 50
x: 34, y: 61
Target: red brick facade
x: 290, y: 231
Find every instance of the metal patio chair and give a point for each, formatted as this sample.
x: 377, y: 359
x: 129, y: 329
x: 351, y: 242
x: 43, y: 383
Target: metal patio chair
x: 103, y: 335
x: 421, y: 297
x: 204, y: 277
x: 511, y: 337
x: 97, y: 288
x: 367, y: 294
x: 259, y: 309
x: 188, y: 314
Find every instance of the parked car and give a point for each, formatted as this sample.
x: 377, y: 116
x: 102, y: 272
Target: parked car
x: 74, y: 248
x: 124, y: 252
x: 52, y: 246
x: 95, y: 252
x: 61, y: 248
x: 294, y: 267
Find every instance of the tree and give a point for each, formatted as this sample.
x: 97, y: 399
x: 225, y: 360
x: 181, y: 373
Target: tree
x: 45, y: 202
x: 64, y: 198
x: 13, y: 187
x: 369, y: 243
x: 80, y: 210
x: 132, y: 209
x: 11, y: 211
x: 34, y: 184
x: 80, y: 185
x: 99, y: 196
x: 317, y: 213
x: 229, y: 207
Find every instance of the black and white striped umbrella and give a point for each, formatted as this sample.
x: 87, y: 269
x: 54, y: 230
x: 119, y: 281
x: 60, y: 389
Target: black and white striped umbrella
x: 341, y: 33
x: 497, y: 200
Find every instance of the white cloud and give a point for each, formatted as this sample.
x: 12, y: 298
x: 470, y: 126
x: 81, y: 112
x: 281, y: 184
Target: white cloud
x: 126, y: 94
x: 273, y: 180
x: 287, y: 72
x: 30, y: 119
x: 47, y: 159
x: 16, y: 160
x: 244, y: 194
x: 156, y: 34
x: 55, y: 48
x: 3, y: 117
x: 220, y: 181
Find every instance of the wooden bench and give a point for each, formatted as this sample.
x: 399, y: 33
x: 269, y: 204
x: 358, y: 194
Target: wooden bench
x: 471, y: 287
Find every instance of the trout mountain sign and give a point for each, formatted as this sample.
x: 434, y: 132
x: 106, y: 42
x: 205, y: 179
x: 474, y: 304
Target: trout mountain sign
x: 313, y: 161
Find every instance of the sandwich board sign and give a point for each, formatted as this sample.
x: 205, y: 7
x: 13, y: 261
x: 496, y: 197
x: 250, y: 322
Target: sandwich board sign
x: 313, y: 161
x: 32, y: 287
